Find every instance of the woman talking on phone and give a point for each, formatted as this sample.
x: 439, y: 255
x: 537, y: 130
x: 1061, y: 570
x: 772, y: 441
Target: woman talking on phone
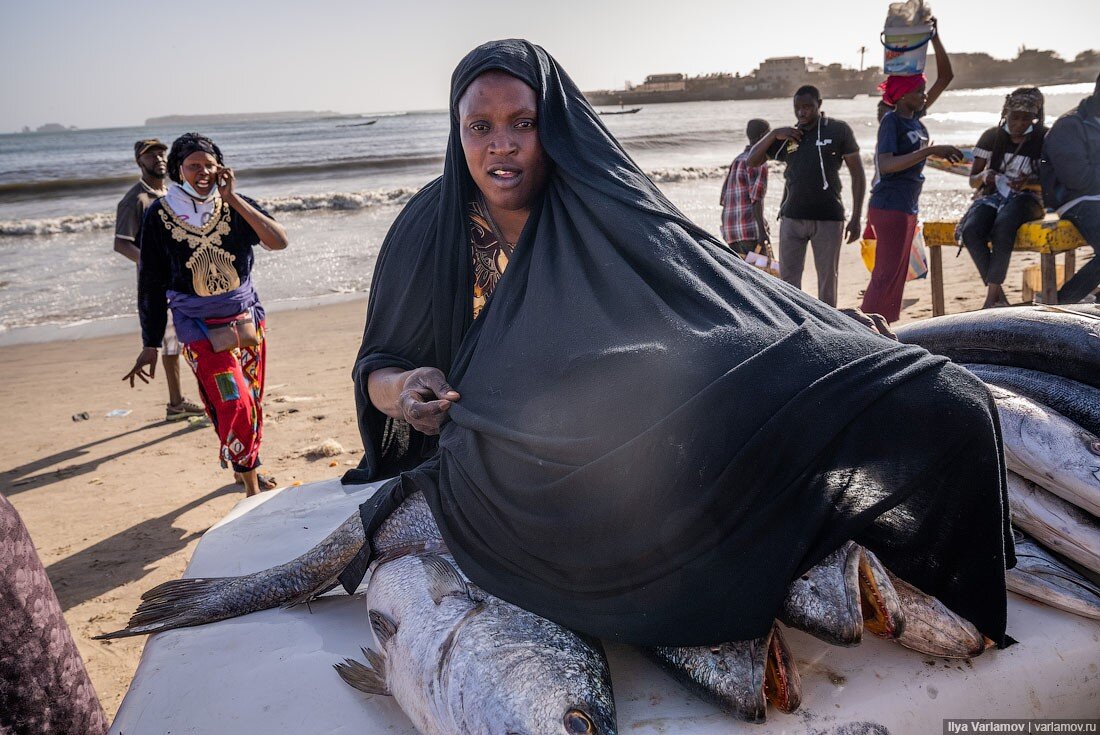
x: 196, y: 260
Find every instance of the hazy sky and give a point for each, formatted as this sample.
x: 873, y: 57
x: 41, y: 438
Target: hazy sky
x: 117, y: 62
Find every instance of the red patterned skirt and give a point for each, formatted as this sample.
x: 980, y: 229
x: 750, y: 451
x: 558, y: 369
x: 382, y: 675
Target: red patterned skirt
x: 232, y: 388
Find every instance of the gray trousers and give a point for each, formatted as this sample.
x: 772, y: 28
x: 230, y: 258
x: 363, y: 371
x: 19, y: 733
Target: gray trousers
x: 826, y: 238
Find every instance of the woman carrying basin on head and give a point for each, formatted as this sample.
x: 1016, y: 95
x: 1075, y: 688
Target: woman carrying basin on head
x: 570, y: 370
x: 902, y: 148
x: 1005, y: 174
x: 196, y: 260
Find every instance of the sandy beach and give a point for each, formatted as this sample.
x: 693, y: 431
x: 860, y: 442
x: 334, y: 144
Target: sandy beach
x: 116, y: 505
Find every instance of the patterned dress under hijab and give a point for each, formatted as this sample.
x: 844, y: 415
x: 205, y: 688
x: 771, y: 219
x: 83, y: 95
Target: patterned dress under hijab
x: 490, y: 253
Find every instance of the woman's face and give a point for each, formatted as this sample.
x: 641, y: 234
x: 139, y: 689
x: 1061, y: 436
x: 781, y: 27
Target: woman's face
x: 198, y: 169
x: 1018, y: 121
x: 498, y: 121
x: 915, y: 100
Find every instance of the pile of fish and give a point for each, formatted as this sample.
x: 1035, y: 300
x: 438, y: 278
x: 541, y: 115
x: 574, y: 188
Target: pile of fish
x: 1042, y: 365
x: 459, y: 660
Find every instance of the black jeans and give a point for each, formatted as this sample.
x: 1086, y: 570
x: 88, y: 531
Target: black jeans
x: 984, y: 223
x: 1086, y: 218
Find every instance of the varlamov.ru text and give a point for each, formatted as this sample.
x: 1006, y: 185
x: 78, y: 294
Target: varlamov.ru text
x: 955, y: 727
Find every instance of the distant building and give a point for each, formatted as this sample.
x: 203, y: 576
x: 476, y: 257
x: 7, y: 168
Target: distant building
x: 781, y: 71
x: 663, y: 83
x: 780, y: 76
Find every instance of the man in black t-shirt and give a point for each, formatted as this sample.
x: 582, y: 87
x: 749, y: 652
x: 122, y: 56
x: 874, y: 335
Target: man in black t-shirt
x: 812, y: 211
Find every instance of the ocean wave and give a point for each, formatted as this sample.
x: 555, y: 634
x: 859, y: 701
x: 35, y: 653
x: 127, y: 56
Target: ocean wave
x: 334, y: 200
x: 340, y: 200
x: 57, y: 225
x: 18, y: 189
x: 973, y: 117
x: 1082, y: 88
x: 677, y: 139
x: 687, y: 173
x: 337, y: 200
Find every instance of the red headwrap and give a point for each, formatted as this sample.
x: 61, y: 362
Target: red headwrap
x: 895, y: 87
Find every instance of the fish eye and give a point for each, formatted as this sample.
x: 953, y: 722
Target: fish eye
x: 578, y: 723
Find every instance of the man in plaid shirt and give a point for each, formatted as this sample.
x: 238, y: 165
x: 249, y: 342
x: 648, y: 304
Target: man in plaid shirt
x: 743, y: 225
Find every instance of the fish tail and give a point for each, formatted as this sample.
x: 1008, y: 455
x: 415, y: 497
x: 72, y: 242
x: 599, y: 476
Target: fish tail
x: 179, y: 603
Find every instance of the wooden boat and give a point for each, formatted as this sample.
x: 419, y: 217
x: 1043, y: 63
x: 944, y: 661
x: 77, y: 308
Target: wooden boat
x: 631, y: 111
x: 357, y: 125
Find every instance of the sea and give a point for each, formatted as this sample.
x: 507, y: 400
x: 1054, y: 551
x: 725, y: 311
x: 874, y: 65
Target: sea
x: 337, y: 185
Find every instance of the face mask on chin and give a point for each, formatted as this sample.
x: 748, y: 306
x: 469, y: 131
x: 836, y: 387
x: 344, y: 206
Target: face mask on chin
x: 1030, y: 128
x: 191, y: 192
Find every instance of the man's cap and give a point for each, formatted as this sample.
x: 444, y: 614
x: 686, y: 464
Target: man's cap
x: 144, y: 146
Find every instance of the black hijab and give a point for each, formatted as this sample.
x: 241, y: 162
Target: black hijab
x: 653, y: 437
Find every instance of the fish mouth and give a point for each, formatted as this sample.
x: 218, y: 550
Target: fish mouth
x: 882, y: 612
x: 782, y: 684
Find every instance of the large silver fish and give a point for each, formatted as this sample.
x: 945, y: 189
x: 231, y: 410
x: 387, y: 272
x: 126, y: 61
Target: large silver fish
x: 1049, y: 449
x: 461, y: 662
x: 1078, y: 402
x: 1051, y: 339
x: 1058, y: 525
x: 1041, y: 577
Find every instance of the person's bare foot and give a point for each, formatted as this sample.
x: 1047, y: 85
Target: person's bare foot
x: 995, y: 297
x: 254, y: 482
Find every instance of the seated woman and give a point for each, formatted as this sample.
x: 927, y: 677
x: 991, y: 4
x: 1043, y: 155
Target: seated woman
x: 1006, y: 175
x: 620, y: 425
x: 196, y: 258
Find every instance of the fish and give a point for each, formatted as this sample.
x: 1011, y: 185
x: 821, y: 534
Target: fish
x: 181, y: 603
x: 1056, y: 524
x: 461, y: 662
x: 1049, y: 339
x: 741, y: 678
x: 838, y: 597
x: 1049, y: 449
x: 932, y: 629
x: 1078, y: 402
x: 1041, y: 577
x: 456, y: 659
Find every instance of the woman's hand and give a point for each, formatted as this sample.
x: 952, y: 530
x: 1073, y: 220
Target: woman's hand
x: 425, y: 399
x: 875, y: 322
x: 147, y: 359
x: 983, y: 178
x: 227, y: 183
x: 950, y: 152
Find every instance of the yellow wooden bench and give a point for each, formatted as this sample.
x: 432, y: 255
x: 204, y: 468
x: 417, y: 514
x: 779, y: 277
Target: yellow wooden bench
x: 1048, y: 237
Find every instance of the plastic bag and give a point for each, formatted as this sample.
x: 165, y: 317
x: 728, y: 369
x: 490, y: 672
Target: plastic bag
x: 918, y: 254
x: 763, y: 261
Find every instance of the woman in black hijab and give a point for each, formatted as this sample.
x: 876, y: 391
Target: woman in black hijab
x: 640, y: 436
